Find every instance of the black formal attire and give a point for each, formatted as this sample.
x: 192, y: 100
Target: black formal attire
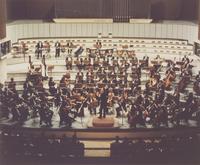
x: 103, y: 103
x: 57, y: 45
x: 39, y: 48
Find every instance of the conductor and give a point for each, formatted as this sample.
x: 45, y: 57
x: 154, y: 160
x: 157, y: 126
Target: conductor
x: 103, y: 103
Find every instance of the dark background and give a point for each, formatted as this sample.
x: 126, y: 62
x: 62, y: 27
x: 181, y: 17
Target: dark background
x: 48, y: 9
x: 157, y: 9
x: 2, y: 19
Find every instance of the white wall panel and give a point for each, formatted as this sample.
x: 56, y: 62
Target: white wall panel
x: 152, y: 28
x: 174, y: 31
x: 120, y: 30
x: 131, y: 30
x: 169, y: 31
x: 141, y: 30
x: 136, y: 30
x: 63, y: 30
x: 163, y: 31
x: 177, y: 31
x: 110, y: 28
x: 125, y: 30
x: 158, y: 31
x: 180, y: 31
x: 68, y: 29
x: 147, y: 31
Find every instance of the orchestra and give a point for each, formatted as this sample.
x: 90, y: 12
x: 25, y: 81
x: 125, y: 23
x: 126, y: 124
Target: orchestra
x: 107, y: 83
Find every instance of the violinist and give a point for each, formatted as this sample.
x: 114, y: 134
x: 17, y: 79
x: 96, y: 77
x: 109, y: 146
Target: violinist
x: 79, y: 77
x: 68, y: 62
x: 90, y: 76
x: 45, y: 114
x: 122, y: 103
x: 146, y: 101
x: 110, y: 97
x: 12, y: 85
x: 64, y: 114
x: 52, y: 88
x: 146, y: 61
x: 92, y: 103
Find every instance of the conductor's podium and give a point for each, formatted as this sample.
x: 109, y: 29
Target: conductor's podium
x: 108, y: 122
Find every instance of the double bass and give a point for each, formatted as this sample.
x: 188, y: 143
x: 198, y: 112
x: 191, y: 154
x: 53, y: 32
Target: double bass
x: 169, y: 79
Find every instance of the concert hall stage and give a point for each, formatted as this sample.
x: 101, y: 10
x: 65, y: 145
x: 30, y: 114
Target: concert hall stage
x: 84, y: 132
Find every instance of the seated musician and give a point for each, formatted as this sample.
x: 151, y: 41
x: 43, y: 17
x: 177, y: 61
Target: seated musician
x: 63, y: 82
x: 186, y: 64
x: 93, y: 103
x: 68, y: 63
x: 45, y: 114
x: 122, y: 103
x: 197, y: 77
x: 168, y: 100
x: 79, y: 77
x: 98, y: 44
x: 27, y: 87
x: 64, y: 113
x: 52, y: 88
x: 176, y: 98
x: 161, y: 90
x: 12, y: 85
x: 146, y: 59
x: 90, y: 74
x: 185, y: 58
x: 146, y: 101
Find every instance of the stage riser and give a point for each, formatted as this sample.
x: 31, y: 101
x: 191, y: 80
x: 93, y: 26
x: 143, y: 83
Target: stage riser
x: 110, y: 134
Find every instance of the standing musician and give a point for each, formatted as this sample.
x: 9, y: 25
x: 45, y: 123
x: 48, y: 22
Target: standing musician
x: 57, y: 46
x: 39, y: 48
x: 103, y: 102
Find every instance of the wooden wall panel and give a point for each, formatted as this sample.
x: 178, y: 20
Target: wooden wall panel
x: 2, y: 19
x: 199, y: 19
x: 160, y: 9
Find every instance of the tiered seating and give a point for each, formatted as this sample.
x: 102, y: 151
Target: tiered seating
x: 140, y: 45
x: 16, y: 144
x: 156, y: 148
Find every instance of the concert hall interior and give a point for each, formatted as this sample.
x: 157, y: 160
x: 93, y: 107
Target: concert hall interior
x: 99, y: 81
